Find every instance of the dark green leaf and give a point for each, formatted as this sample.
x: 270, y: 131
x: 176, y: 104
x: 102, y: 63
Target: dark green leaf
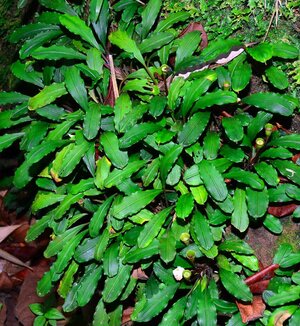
x: 245, y: 177
x: 149, y: 16
x: 285, y: 50
x: 267, y: 172
x: 155, y: 41
x: 202, y: 231
x: 172, y: 19
x: 12, y: 97
x: 23, y: 72
x: 240, y: 75
x: 218, y: 97
x: 167, y: 250
x: 57, y: 52
x: 136, y: 254
x: 236, y: 245
x: 8, y: 139
x: 289, y: 141
x: 277, y: 77
x: 100, y: 317
x: 257, y: 124
x: 257, y: 202
x: 240, y: 219
x: 233, y: 128
x: 288, y: 169
x: 168, y: 160
x: 111, y: 260
x: 206, y: 314
x: 211, y: 145
x: 175, y: 314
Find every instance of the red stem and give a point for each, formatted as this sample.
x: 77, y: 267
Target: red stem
x: 258, y: 276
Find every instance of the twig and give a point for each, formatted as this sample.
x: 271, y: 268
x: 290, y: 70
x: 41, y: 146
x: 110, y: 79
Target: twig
x: 113, y: 76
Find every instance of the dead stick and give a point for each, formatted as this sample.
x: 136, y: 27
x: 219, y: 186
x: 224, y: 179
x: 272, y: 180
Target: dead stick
x: 113, y: 76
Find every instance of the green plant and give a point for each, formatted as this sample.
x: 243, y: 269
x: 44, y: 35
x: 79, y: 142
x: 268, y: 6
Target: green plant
x: 140, y: 194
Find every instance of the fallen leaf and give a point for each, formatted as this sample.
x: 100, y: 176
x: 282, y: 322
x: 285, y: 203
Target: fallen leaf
x: 281, y: 317
x: 196, y: 26
x: 259, y: 287
x: 6, y: 283
x: 282, y: 210
x: 5, y: 231
x: 253, y: 310
x: 139, y: 274
x: 12, y: 259
x: 126, y: 316
x: 296, y: 158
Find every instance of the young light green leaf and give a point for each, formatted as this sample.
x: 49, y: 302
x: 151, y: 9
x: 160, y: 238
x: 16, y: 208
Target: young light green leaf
x: 152, y: 228
x: 110, y: 142
x: 213, y: 181
x: 78, y: 27
x: 133, y: 203
x: 47, y: 95
x: 202, y: 231
x: 171, y: 19
x: 200, y: 194
x: 272, y: 102
x: 154, y: 305
x: 114, y: 286
x: 123, y: 41
x: 193, y: 128
x: 240, y: 219
x: 250, y: 262
x: 234, y: 285
x: 261, y: 52
x: 277, y: 77
x: 257, y: 202
x: 184, y: 205
x: 67, y: 280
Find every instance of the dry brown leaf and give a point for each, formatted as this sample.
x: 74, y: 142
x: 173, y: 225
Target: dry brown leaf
x: 139, y: 274
x: 6, y: 283
x: 126, y: 317
x: 282, y: 210
x: 252, y: 310
x: 28, y: 295
x: 281, y: 318
x: 5, y: 231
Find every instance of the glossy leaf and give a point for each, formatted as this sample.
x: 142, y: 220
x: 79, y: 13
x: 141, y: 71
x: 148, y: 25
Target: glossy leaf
x: 174, y: 91
x: 233, y: 128
x: 213, y: 181
x: 218, y: 97
x: 257, y: 202
x: 67, y: 280
x: 200, y: 194
x: 206, y: 312
x: 240, y: 219
x: 202, y: 231
x: 172, y: 19
x: 267, y: 172
x: 184, y: 205
x: 150, y: 172
x: 100, y: 317
x: 155, y: 41
x: 273, y: 224
x: 78, y: 27
x: 245, y: 177
x: 287, y: 141
x: 111, y: 260
x: 290, y: 295
x: 167, y: 247
x: 174, y: 315
x: 101, y: 245
x: 193, y: 128
x: 38, y: 228
x: 114, y: 286
x: 168, y: 160
x: 261, y: 52
x: 91, y: 123
x: 285, y: 50
x: 47, y: 95
x: 240, y: 75
x: 57, y: 52
x: 277, y: 77
x: 152, y: 228
x: 288, y: 169
x: 234, y: 285
x: 110, y: 143
x: 136, y: 254
x: 149, y: 15
x: 154, y: 305
x: 23, y: 72
x: 211, y: 145
x: 133, y: 203
x: 8, y: 139
x: 231, y: 153
x: 236, y: 245
x: 271, y: 102
x: 258, y: 123
x: 59, y: 5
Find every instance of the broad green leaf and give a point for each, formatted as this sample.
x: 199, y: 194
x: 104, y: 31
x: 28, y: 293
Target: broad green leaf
x: 114, y: 286
x: 153, y: 227
x: 277, y: 77
x: 236, y: 245
x: 86, y: 250
x: 282, y: 253
x: 47, y: 95
x: 168, y: 160
x: 100, y: 318
x: 187, y: 45
x: 92, y: 119
x: 67, y: 253
x: 57, y: 52
x: 67, y: 280
x: 289, y: 141
x: 268, y: 173
x: 239, y: 218
x: 133, y: 203
x: 184, y: 205
x: 200, y: 194
x: 34, y: 134
x: 225, y: 307
x: 38, y: 227
x: 234, y: 154
x: 272, y: 102
x: 58, y: 5
x: 95, y: 8
x: 167, y: 247
x: 202, y: 231
x: 206, y: 312
x: 136, y: 254
x: 213, y: 181
x: 172, y: 19
x: 288, y: 169
x: 26, y: 73
x: 150, y: 172
x: 257, y: 202
x: 76, y: 87
x: 43, y: 200
x: 154, y: 305
x: 273, y: 224
x: 117, y: 176
x: 101, y: 245
x: 137, y: 133
x: 174, y: 175
x: 175, y: 314
x: 98, y: 217
x: 290, y: 295
x: 38, y: 40
x: 250, y: 262
x: 123, y: 41
x: 261, y: 52
x: 211, y: 145
x: 111, y: 260
x: 234, y: 285
x: 65, y: 205
x: 155, y: 41
x: 174, y: 91
x: 285, y: 50
x: 257, y: 124
x: 192, y: 176
x: 115, y: 316
x: 197, y: 88
x: 193, y: 128
x: 246, y: 177
x: 240, y: 75
x: 233, y: 128
x: 8, y: 139
x: 102, y: 171
x: 218, y: 97
x: 149, y: 16
x: 110, y: 142
x: 95, y: 61
x: 30, y: 30
x: 78, y: 27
